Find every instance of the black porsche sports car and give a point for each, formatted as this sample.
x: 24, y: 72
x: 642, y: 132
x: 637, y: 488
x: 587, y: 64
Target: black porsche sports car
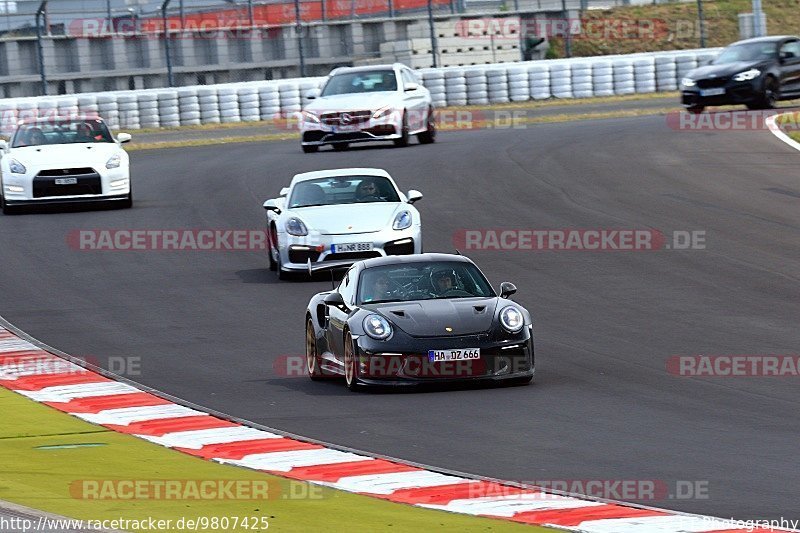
x: 405, y: 320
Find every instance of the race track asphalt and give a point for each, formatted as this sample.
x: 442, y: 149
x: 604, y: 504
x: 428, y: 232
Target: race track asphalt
x: 212, y: 327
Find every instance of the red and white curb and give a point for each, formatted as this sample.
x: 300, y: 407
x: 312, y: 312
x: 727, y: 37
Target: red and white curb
x: 777, y: 131
x: 33, y: 370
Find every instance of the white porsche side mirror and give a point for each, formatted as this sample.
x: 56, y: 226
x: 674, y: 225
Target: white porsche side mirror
x: 414, y: 196
x: 284, y: 192
x: 271, y: 205
x: 123, y: 137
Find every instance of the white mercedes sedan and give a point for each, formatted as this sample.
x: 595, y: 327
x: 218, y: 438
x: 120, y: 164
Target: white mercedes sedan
x: 64, y: 160
x: 361, y: 104
x: 333, y: 218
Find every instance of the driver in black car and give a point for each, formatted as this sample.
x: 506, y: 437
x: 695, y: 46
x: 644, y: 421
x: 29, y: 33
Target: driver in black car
x: 380, y: 289
x: 444, y: 281
x: 368, y: 191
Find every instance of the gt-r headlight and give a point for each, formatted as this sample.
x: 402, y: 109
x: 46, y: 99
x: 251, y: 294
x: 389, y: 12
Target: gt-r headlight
x: 511, y: 319
x: 383, y: 112
x: 402, y: 220
x: 747, y: 75
x: 296, y: 227
x: 377, y: 327
x: 310, y: 117
x: 688, y: 82
x: 113, y: 161
x: 16, y: 167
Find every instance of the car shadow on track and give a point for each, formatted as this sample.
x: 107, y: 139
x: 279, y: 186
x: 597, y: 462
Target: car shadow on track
x: 336, y: 387
x: 63, y: 208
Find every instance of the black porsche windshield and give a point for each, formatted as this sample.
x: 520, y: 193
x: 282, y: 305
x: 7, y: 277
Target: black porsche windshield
x: 343, y: 190
x: 747, y: 52
x: 68, y: 131
x: 369, y: 81
x: 422, y: 281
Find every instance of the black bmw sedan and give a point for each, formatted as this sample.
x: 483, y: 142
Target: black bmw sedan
x: 755, y: 72
x: 404, y: 320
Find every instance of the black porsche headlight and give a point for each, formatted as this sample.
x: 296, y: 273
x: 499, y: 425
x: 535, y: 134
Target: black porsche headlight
x: 511, y: 319
x: 377, y: 327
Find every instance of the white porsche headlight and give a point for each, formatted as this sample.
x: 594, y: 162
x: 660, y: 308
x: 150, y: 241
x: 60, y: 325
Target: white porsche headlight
x: 16, y: 167
x: 747, y: 75
x: 511, y: 319
x: 403, y: 220
x: 296, y: 227
x: 113, y: 161
x: 377, y: 327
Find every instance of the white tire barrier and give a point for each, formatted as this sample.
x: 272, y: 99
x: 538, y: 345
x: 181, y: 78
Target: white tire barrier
x: 188, y: 106
x: 477, y: 87
x: 269, y: 102
x: 561, y: 80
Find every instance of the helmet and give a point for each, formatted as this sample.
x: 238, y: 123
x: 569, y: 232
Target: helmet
x: 437, y: 277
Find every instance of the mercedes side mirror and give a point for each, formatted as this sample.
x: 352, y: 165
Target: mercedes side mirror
x: 312, y: 94
x: 412, y: 86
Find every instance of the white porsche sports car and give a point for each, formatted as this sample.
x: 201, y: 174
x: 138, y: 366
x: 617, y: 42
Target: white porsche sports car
x: 333, y: 218
x: 64, y: 160
x: 372, y: 103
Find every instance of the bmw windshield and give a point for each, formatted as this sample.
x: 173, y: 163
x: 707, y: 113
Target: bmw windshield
x: 422, y: 281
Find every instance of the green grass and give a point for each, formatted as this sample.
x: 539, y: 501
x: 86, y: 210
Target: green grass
x: 41, y: 479
x: 672, y: 26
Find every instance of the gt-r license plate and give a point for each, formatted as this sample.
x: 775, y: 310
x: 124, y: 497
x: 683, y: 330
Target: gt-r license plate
x: 66, y: 181
x: 351, y: 247
x: 464, y: 354
x: 712, y: 92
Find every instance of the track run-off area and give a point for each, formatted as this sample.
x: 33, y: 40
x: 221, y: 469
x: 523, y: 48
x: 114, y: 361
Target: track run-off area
x: 217, y: 328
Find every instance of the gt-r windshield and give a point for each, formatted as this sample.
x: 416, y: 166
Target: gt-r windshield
x: 343, y: 190
x: 746, y: 52
x: 361, y: 82
x: 67, y: 131
x: 422, y: 281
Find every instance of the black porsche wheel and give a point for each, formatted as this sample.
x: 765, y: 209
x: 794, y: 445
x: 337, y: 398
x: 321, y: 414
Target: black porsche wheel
x: 403, y: 140
x: 350, y: 364
x: 312, y: 361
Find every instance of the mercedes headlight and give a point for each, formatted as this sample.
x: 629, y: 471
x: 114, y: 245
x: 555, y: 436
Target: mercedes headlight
x: 377, y: 327
x: 511, y: 319
x: 688, y: 82
x: 310, y: 117
x: 747, y: 75
x: 16, y: 167
x: 402, y: 220
x: 383, y: 112
x: 113, y: 161
x: 295, y: 226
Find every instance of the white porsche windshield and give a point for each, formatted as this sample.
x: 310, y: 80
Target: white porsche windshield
x: 422, y: 281
x: 361, y: 82
x: 343, y: 190
x: 70, y: 131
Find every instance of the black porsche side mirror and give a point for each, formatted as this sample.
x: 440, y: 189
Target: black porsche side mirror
x: 507, y: 289
x: 334, y: 298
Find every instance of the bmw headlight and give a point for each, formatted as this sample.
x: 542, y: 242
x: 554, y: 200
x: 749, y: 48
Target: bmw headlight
x: 377, y: 327
x: 688, y: 82
x: 402, y: 220
x: 113, y: 161
x: 747, y: 75
x: 16, y: 167
x: 310, y: 117
x: 511, y: 319
x: 295, y: 226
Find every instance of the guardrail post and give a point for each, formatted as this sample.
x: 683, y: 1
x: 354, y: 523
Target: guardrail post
x: 170, y: 77
x: 702, y: 21
x: 39, y: 46
x: 299, y: 30
x: 434, y: 46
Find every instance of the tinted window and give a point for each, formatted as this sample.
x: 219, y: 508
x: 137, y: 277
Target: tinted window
x: 747, y: 52
x: 343, y: 190
x: 62, y: 132
x: 793, y: 48
x: 346, y: 287
x: 361, y: 82
x: 422, y: 281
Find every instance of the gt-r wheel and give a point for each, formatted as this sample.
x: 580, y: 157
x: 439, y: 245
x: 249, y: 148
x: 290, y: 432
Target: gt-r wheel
x: 350, y: 364
x: 429, y: 135
x: 309, y: 149
x: 403, y: 140
x: 312, y: 361
x: 341, y: 147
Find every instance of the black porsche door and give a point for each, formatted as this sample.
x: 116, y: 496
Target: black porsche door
x: 337, y: 316
x: 790, y: 67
